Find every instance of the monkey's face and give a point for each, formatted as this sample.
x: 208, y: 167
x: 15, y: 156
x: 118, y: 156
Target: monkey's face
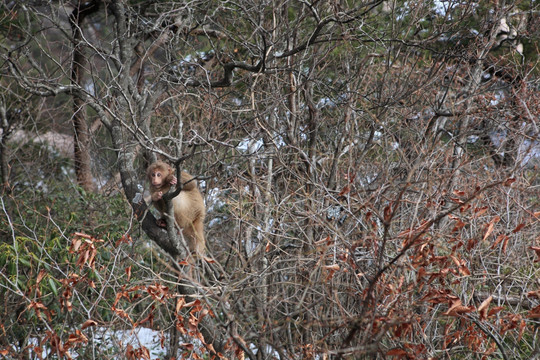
x: 157, y: 178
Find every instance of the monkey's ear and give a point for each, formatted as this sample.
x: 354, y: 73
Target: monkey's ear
x: 170, y: 174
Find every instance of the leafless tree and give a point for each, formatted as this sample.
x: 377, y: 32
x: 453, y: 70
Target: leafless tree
x: 367, y: 166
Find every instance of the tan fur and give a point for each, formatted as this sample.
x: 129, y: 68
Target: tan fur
x: 189, y: 210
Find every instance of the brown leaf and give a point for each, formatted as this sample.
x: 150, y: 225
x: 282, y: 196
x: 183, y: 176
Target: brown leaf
x: 537, y: 251
x: 492, y: 223
x: 180, y: 302
x: 458, y: 308
x: 498, y: 240
x: 483, y: 308
x: 128, y: 272
x: 518, y: 228
x: 346, y: 189
x: 88, y: 323
x: 494, y: 310
x: 77, y: 337
x: 509, y: 181
x: 396, y: 352
x: 75, y: 245
x: 209, y: 260
x: 331, y: 270
x: 505, y: 244
x: 534, y: 313
x: 479, y: 212
x: 387, y: 213
x: 187, y: 346
x: 40, y: 276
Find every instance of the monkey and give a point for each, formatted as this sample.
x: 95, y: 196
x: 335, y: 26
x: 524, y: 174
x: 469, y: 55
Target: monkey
x: 188, y: 205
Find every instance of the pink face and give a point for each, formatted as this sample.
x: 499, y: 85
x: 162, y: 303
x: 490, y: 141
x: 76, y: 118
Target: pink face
x: 157, y: 178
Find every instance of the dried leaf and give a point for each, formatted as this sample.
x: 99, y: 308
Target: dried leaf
x: 77, y: 337
x: 537, y: 251
x: 88, y: 323
x: 128, y: 272
x: 396, y: 352
x: 209, y: 260
x: 40, y: 276
x: 188, y: 346
x: 479, y: 212
x: 483, y: 308
x: 331, y: 270
x: 498, y: 240
x: 75, y: 245
x: 492, y: 223
x: 387, y: 213
x: 505, y: 244
x: 494, y: 310
x: 180, y: 303
x: 509, y: 181
x: 534, y: 313
x: 518, y: 228
x: 346, y: 189
x: 458, y: 308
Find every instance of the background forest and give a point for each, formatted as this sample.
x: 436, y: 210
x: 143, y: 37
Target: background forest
x: 370, y: 171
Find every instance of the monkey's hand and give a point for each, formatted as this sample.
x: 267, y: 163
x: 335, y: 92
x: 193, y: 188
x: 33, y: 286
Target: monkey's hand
x: 174, y: 180
x: 159, y: 195
x: 161, y: 223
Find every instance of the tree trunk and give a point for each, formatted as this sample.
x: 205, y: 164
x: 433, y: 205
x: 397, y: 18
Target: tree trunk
x: 81, y: 134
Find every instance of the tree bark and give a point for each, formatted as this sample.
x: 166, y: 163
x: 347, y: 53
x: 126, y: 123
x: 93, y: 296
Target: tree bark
x: 81, y: 136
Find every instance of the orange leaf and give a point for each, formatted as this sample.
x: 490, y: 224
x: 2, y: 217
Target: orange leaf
x: 188, y: 346
x: 331, y: 270
x: 396, y: 352
x: 75, y: 245
x: 128, y: 272
x: 537, y: 251
x: 88, y: 323
x: 518, y: 228
x: 78, y: 337
x: 180, y: 304
x: 346, y: 189
x: 494, y: 310
x: 209, y: 260
x: 498, y: 240
x: 492, y: 223
x: 387, y: 213
x: 40, y: 276
x: 193, y: 303
x: 483, y: 308
x: 458, y: 308
x: 534, y: 313
x: 509, y: 182
x: 479, y: 211
x: 505, y: 244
